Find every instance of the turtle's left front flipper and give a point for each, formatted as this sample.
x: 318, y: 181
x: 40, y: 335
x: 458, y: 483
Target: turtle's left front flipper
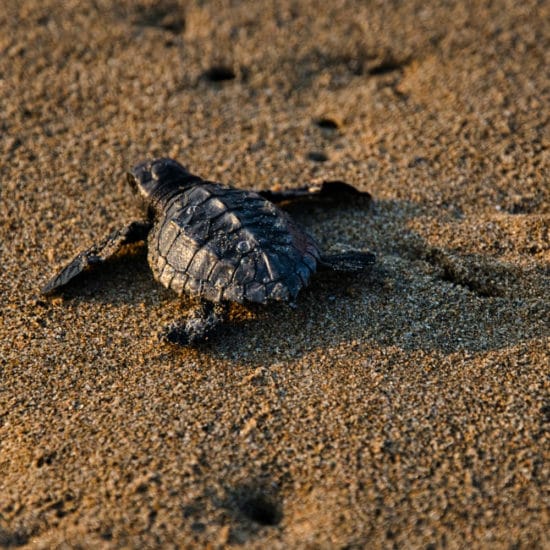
x: 97, y: 254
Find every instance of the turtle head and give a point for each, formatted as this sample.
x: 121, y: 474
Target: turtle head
x: 153, y: 179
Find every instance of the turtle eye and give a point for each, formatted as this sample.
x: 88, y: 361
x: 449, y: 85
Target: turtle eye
x: 157, y: 170
x: 132, y: 181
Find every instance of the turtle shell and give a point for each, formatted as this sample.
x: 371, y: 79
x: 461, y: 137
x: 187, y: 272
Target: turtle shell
x: 219, y: 243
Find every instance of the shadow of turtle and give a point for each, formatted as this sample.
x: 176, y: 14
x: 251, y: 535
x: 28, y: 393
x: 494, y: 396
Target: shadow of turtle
x: 417, y: 297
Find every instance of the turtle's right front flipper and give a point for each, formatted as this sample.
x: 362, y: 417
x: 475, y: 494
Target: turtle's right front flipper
x: 97, y: 254
x: 336, y: 191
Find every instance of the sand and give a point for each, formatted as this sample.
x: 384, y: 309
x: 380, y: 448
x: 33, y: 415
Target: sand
x: 406, y: 407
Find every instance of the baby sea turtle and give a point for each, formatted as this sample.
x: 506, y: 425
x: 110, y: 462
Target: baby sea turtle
x: 218, y: 244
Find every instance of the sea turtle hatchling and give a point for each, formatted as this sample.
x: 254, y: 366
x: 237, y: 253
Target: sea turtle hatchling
x: 218, y: 244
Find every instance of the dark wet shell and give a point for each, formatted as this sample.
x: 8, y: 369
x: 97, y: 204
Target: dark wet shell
x: 221, y: 243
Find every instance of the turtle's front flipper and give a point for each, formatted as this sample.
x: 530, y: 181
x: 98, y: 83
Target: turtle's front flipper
x: 197, y: 326
x: 347, y: 261
x: 97, y: 254
x: 338, y: 191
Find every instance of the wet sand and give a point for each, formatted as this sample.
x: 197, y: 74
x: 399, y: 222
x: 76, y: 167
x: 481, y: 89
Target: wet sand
x: 407, y: 407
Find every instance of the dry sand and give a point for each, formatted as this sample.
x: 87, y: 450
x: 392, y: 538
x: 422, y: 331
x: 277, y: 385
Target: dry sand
x: 407, y: 407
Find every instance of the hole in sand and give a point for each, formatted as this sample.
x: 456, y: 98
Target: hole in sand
x: 45, y: 459
x: 260, y: 509
x: 327, y: 123
x: 387, y: 66
x: 219, y: 73
x: 317, y: 156
x: 166, y: 17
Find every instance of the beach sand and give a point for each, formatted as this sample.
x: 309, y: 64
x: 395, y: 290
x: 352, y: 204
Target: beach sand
x: 406, y: 407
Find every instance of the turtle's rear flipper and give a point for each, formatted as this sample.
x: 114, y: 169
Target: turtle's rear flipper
x: 338, y: 191
x: 197, y: 327
x: 97, y: 254
x: 347, y: 261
